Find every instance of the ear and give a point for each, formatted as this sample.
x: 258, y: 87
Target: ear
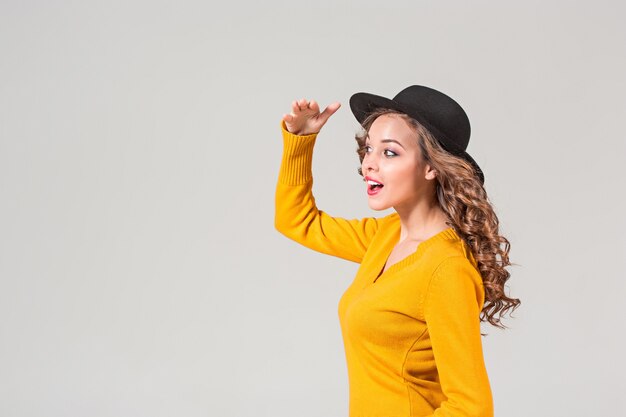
x: 430, y: 173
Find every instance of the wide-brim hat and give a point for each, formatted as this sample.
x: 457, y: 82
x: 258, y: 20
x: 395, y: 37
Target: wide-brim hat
x: 439, y: 113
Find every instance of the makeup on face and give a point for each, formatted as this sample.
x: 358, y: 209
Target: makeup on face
x: 391, y: 163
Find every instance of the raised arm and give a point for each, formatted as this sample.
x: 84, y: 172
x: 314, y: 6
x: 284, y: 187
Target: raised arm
x: 453, y: 303
x: 297, y: 215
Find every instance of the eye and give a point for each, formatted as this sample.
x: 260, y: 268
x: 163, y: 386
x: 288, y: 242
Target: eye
x: 367, y: 149
x: 389, y: 153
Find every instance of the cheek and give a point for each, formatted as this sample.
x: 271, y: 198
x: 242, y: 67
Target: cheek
x: 403, y: 178
x: 410, y: 174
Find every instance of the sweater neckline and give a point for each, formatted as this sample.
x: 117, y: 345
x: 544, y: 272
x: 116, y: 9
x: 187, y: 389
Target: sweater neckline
x: 446, y: 234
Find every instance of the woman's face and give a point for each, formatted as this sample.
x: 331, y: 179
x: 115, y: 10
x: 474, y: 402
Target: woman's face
x: 393, y: 160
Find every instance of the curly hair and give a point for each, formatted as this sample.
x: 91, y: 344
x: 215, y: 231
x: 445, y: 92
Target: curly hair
x: 469, y: 212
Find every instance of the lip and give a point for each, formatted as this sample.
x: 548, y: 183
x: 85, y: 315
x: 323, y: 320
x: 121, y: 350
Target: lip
x: 371, y: 191
x: 368, y: 178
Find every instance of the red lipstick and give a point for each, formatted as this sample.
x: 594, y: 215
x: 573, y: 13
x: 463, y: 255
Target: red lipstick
x: 373, y: 186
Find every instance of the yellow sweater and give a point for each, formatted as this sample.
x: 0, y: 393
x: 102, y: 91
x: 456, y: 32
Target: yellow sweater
x: 411, y: 335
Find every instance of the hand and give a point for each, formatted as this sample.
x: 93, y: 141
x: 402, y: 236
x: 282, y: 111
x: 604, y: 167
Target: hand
x: 305, y: 117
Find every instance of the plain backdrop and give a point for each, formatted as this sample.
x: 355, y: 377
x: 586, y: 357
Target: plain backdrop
x: 140, y: 271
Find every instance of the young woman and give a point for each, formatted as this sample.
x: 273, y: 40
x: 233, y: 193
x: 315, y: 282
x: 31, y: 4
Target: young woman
x: 429, y: 273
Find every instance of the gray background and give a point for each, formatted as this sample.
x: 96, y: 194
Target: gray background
x: 140, y: 272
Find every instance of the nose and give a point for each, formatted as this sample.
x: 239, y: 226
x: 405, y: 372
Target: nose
x: 370, y: 163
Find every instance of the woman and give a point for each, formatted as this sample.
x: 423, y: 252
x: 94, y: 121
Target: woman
x: 429, y: 273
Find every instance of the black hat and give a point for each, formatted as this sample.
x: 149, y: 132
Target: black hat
x: 440, y: 114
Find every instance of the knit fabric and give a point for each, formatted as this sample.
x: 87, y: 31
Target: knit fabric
x: 411, y: 334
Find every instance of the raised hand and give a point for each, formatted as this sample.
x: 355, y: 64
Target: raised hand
x: 305, y: 117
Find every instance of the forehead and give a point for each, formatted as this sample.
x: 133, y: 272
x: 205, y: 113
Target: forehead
x: 392, y: 126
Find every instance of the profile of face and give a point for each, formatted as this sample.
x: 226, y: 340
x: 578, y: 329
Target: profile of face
x: 395, y: 173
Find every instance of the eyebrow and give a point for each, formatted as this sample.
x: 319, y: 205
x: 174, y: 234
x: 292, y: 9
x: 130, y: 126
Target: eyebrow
x: 387, y: 141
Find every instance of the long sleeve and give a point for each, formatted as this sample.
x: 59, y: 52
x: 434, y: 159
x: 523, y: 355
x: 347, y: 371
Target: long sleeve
x: 452, y: 307
x: 297, y: 215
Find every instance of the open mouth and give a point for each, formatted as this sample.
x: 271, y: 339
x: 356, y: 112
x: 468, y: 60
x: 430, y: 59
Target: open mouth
x: 373, y: 185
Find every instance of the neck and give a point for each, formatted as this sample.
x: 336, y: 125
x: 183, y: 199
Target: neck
x: 421, y: 220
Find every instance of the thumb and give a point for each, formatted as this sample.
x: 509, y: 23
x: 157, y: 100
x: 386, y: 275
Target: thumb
x: 329, y: 111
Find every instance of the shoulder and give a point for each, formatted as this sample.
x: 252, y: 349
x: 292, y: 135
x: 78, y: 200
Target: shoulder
x: 456, y: 265
x: 454, y: 277
x: 390, y: 220
x: 449, y: 249
x: 383, y: 224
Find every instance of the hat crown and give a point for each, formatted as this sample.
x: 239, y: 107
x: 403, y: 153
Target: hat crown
x: 441, y: 114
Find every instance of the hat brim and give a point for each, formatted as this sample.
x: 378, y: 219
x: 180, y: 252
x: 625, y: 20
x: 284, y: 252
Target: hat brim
x: 363, y: 104
x: 477, y: 169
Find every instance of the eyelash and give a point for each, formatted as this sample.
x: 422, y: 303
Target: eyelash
x: 367, y: 148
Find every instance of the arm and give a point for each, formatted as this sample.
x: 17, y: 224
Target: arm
x: 297, y: 215
x: 453, y: 303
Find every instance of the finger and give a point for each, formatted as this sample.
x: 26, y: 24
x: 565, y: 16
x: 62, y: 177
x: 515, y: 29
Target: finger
x: 330, y: 110
x: 314, y: 106
x: 303, y: 104
x: 295, y: 107
x: 288, y: 118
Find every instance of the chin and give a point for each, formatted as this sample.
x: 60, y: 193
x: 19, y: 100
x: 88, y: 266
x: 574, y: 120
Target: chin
x: 377, y: 206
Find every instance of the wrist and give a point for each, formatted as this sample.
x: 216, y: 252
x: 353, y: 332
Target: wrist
x: 300, y: 133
